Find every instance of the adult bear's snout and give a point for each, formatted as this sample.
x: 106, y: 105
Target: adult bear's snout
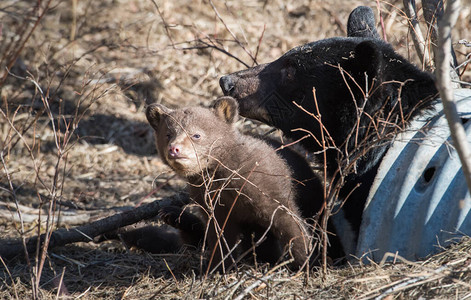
x: 227, y: 85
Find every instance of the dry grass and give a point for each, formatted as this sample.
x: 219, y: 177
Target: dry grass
x: 121, y: 58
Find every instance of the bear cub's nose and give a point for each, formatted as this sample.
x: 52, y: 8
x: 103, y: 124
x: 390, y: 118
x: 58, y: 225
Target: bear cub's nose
x: 174, y: 151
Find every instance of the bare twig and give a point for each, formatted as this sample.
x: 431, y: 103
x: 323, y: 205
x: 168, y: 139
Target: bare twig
x: 416, y: 33
x: 433, y: 11
x: 11, y: 277
x: 252, y: 286
x: 443, y: 57
x: 249, y: 53
x: 166, y: 26
x: 209, y: 41
x: 21, y: 44
x: 378, y: 5
x: 73, y: 28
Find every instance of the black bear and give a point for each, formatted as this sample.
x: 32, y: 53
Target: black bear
x: 242, y: 185
x: 344, y: 98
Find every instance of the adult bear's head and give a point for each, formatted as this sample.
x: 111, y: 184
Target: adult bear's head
x: 349, y: 84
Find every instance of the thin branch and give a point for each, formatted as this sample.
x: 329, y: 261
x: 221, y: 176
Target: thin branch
x: 22, y: 44
x: 249, y: 53
x: 416, y: 33
x: 378, y: 6
x: 444, y: 86
x: 254, y: 285
x: 433, y: 11
x: 166, y: 26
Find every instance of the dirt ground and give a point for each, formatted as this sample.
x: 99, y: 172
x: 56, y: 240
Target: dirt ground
x: 72, y: 128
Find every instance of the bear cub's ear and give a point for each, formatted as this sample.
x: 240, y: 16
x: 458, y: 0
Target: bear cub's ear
x: 227, y: 109
x: 155, y: 112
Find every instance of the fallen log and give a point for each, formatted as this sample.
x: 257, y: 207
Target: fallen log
x: 86, y: 233
x: 70, y: 217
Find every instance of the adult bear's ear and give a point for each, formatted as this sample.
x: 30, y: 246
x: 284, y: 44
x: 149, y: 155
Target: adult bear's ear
x: 227, y: 109
x: 288, y: 72
x: 154, y: 113
x: 368, y: 58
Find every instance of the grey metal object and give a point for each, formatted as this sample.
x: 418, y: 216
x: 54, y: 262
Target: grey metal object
x: 419, y: 200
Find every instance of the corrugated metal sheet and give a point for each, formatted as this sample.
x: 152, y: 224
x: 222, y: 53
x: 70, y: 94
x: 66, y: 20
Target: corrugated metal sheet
x: 419, y: 200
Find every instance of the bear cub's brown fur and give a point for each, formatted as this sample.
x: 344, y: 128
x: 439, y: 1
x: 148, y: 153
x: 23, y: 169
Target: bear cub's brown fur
x: 239, y: 181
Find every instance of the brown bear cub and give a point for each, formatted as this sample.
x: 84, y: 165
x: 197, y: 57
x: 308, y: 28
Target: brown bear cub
x: 243, y: 186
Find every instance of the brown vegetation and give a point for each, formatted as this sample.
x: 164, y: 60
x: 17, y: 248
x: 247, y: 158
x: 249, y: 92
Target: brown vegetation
x: 75, y: 77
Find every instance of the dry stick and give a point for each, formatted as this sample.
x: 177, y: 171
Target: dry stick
x: 22, y: 230
x: 213, y: 46
x: 225, y: 223
x: 416, y: 33
x: 23, y: 43
x: 252, y: 286
x: 74, y: 20
x: 378, y: 5
x: 444, y: 86
x: 259, y: 241
x: 340, y: 23
x: 11, y: 277
x: 22, y: 243
x: 61, y: 288
x: 433, y: 11
x: 86, y: 233
x: 410, y: 280
x: 403, y: 284
x: 206, y: 44
x: 326, y: 211
x: 260, y: 42
x: 249, y: 53
x: 61, y: 157
x: 165, y: 23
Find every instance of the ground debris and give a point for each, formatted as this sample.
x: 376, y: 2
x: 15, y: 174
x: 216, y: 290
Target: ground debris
x: 97, y: 87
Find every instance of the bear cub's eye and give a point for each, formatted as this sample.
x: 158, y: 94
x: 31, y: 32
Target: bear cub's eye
x: 196, y: 136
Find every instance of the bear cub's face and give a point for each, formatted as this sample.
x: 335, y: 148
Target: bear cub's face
x: 188, y: 138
